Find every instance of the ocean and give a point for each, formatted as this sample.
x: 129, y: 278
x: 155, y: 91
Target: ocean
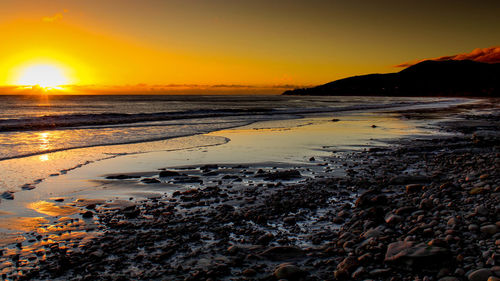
x: 42, y: 136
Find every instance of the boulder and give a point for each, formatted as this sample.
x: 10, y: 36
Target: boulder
x: 411, y: 255
x: 480, y: 275
x: 289, y: 272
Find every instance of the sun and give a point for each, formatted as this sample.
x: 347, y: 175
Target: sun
x: 43, y: 75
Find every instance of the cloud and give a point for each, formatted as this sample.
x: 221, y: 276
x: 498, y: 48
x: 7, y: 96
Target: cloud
x: 54, y: 18
x: 488, y: 55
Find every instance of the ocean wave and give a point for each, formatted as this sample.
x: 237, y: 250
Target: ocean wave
x: 102, y: 119
x: 80, y: 120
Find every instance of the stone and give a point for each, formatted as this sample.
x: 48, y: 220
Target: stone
x: 265, y: 239
x: 481, y: 210
x: 392, y: 218
x: 489, y: 229
x: 449, y: 278
x: 480, y: 275
x: 289, y: 220
x: 289, y: 272
x: 9, y: 195
x: 150, y: 180
x: 249, y: 272
x: 87, y: 215
x: 410, y: 254
x: 358, y: 273
x: 166, y: 174
x: 473, y: 227
x: 477, y: 190
x: 345, y: 267
x: 411, y: 188
x: 370, y: 198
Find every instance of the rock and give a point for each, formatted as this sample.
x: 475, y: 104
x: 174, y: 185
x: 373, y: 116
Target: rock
x: 437, y: 242
x: 449, y: 278
x: 312, y: 159
x: 87, y: 215
x: 481, y: 210
x: 473, y: 227
x: 28, y: 187
x: 480, y: 275
x: 412, y: 255
x: 426, y: 204
x: 166, y: 174
x: 477, y: 190
x: 233, y: 250
x: 392, y: 218
x: 370, y: 198
x: 265, y: 239
x: 289, y: 220
x: 289, y: 272
x: 411, y: 188
x: 345, y: 267
x: 130, y: 212
x: 150, y: 180
x: 489, y: 229
x: 373, y: 232
x: 380, y: 271
x: 9, y: 195
x: 282, y: 252
x: 358, y: 273
x: 249, y: 272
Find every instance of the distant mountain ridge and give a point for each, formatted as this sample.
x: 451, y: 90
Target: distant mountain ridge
x: 457, y: 78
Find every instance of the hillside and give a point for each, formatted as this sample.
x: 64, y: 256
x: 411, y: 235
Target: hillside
x: 428, y: 78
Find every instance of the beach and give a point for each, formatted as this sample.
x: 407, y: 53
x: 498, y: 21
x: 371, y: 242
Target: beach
x: 401, y: 192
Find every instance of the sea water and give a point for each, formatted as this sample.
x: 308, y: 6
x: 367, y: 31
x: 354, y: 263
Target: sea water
x: 43, y: 136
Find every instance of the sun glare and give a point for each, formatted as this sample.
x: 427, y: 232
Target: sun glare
x: 43, y: 75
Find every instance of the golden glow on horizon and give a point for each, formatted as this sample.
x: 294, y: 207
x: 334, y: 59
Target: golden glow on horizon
x: 108, y: 47
x: 43, y: 75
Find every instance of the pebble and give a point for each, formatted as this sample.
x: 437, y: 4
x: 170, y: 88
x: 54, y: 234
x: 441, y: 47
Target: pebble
x: 490, y: 229
x: 289, y: 272
x: 480, y: 275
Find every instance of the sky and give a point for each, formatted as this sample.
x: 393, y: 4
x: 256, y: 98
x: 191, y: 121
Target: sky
x: 259, y: 45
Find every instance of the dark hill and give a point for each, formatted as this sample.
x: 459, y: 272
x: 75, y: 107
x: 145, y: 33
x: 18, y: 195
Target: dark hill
x: 428, y: 78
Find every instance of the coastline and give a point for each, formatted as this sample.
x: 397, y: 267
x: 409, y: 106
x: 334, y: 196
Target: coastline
x: 232, y: 230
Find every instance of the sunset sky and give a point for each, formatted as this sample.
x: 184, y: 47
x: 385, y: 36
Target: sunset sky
x: 112, y: 44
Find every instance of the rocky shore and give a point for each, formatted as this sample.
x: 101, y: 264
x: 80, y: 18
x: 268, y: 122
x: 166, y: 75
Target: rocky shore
x: 421, y: 209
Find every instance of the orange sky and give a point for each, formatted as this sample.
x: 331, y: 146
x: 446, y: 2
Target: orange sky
x: 270, y: 45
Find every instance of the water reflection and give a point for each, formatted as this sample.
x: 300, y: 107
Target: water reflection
x: 44, y: 157
x: 52, y: 209
x: 43, y: 138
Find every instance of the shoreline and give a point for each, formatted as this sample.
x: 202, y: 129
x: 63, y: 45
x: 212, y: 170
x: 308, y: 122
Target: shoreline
x: 220, y: 230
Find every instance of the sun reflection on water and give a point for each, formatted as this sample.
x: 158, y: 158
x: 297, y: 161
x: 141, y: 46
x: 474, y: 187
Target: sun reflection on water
x: 44, y: 157
x: 44, y: 140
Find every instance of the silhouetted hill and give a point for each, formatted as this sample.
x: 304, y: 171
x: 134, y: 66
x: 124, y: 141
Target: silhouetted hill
x: 428, y: 78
